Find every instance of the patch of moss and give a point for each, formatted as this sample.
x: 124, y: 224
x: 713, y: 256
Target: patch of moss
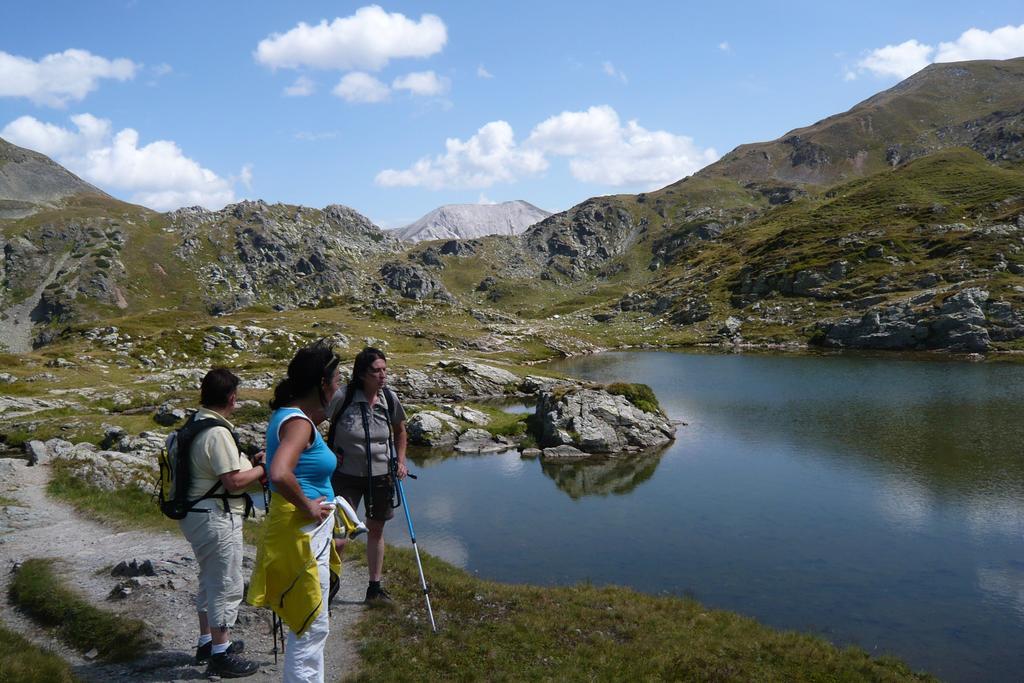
x: 640, y: 395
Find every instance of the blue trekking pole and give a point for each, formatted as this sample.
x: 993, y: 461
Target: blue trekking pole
x: 412, y: 536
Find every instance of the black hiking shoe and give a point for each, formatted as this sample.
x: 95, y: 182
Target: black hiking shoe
x: 376, y: 594
x: 227, y: 665
x: 203, y: 652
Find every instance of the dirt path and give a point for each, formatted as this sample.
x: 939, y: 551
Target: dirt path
x: 42, y: 527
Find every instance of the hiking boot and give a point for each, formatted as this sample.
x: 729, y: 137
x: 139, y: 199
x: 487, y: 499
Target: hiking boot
x: 378, y: 595
x: 227, y: 665
x: 203, y: 652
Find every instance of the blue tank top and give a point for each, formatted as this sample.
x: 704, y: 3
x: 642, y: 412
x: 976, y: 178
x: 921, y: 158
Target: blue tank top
x: 316, y: 463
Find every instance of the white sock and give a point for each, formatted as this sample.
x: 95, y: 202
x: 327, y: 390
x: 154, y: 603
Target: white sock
x: 204, y: 639
x: 222, y: 647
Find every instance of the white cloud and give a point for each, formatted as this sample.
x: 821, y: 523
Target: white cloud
x: 599, y: 148
x: 610, y: 69
x: 900, y: 61
x: 157, y: 175
x: 245, y: 176
x: 485, y: 200
x: 724, y: 46
x: 162, y: 69
x: 368, y: 39
x: 425, y: 83
x: 361, y: 88
x: 489, y: 157
x: 911, y: 56
x: 482, y: 72
x: 1003, y: 43
x: 603, y: 151
x: 302, y: 87
x: 61, y: 77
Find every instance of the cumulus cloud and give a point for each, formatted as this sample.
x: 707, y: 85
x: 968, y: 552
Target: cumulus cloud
x: 617, y: 74
x: 911, y: 56
x: 302, y: 87
x: 367, y: 40
x: 58, y: 78
x: 157, y: 175
x: 482, y: 72
x: 361, y: 88
x: 1003, y: 43
x: 488, y: 157
x: 603, y: 151
x: 425, y: 83
x: 900, y: 61
x: 598, y: 147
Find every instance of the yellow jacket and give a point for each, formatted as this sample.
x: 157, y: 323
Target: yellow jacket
x: 285, y: 577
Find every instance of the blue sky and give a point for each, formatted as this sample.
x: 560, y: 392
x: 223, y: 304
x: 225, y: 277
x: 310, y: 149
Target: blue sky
x: 398, y: 108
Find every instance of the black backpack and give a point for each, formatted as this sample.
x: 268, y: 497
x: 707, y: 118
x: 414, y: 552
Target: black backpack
x: 176, y: 471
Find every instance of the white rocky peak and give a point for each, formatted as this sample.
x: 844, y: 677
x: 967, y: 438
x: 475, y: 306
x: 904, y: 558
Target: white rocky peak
x: 466, y: 221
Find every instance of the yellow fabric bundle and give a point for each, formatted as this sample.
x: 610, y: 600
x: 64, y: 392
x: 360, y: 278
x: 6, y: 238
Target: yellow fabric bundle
x: 285, y: 578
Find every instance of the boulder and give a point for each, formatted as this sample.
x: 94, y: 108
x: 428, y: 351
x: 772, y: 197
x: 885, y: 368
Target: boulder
x: 597, y: 421
x: 562, y: 453
x: 470, y: 415
x: 479, y: 441
x: 167, y: 415
x: 37, y: 453
x: 432, y: 428
x: 106, y: 470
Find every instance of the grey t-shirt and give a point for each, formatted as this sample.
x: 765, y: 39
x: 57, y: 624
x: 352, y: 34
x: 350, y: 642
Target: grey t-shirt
x: 350, y: 438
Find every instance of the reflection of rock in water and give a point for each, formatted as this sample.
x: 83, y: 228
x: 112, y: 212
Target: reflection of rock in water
x: 604, y: 476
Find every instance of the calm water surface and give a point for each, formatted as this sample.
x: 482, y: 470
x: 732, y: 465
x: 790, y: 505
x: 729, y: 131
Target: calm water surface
x: 874, y: 501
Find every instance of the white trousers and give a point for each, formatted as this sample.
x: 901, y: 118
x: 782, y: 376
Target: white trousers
x: 216, y: 538
x: 304, y: 656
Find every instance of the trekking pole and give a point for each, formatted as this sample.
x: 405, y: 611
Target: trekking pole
x: 412, y: 537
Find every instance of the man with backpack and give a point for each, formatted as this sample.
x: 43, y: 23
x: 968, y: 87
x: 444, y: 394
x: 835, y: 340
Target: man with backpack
x: 217, y: 477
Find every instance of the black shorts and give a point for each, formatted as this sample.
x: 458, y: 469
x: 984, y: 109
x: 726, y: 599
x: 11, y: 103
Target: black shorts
x: 353, y: 488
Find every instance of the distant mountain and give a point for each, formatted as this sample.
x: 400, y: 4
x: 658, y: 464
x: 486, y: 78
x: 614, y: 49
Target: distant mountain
x: 468, y: 221
x: 30, y: 181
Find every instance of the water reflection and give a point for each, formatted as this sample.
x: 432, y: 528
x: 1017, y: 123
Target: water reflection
x: 602, y: 477
x: 1004, y: 585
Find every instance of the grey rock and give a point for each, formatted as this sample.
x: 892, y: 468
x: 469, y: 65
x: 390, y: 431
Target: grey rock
x: 479, y: 441
x: 431, y: 428
x: 37, y: 453
x: 596, y: 421
x: 531, y: 453
x: 167, y: 415
x: 563, y: 452
x: 412, y: 282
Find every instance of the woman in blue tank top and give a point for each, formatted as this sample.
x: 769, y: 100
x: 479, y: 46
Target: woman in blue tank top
x: 299, y: 526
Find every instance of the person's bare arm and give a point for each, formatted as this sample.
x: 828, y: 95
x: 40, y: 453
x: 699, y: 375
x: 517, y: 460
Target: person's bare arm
x: 401, y: 441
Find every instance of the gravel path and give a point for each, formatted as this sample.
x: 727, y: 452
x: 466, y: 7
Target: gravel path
x: 41, y: 527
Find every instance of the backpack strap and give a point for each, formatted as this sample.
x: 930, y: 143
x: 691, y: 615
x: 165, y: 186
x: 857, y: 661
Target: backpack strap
x: 333, y: 430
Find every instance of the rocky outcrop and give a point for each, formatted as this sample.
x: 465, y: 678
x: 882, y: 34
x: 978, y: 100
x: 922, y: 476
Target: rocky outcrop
x: 586, y: 236
x: 965, y: 321
x: 412, y: 282
x: 30, y: 181
x: 460, y: 380
x: 433, y: 429
x: 596, y: 421
x: 106, y: 470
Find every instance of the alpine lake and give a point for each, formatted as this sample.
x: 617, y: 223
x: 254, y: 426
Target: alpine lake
x: 876, y: 501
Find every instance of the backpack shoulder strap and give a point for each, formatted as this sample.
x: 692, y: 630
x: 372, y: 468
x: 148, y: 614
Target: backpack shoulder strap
x: 333, y: 429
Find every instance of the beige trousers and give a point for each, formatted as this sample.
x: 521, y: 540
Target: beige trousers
x: 216, y: 538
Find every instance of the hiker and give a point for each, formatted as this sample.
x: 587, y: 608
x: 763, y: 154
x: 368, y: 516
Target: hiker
x: 383, y: 434
x: 214, y: 524
x: 296, y: 557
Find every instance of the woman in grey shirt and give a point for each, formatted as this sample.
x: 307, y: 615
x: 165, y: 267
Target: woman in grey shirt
x: 364, y: 413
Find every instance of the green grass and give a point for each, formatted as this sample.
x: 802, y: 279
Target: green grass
x: 640, y: 395
x: 129, y: 508
x: 7, y: 500
x: 21, y: 661
x: 39, y: 591
x: 496, y: 632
